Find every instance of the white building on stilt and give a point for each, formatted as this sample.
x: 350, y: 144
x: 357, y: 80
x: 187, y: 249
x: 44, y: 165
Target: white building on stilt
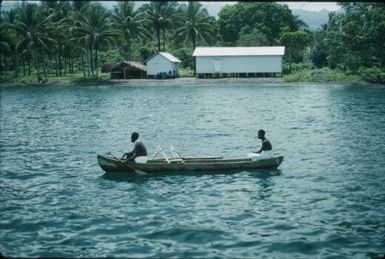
x: 239, y: 61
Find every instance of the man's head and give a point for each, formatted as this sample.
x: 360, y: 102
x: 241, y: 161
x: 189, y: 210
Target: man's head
x: 134, y: 137
x: 261, y: 134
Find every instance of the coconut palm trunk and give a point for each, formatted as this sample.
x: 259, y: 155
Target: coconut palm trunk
x: 158, y: 38
x: 164, y: 38
x: 194, y: 24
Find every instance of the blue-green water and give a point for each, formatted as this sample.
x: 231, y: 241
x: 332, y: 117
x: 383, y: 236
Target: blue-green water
x: 326, y: 200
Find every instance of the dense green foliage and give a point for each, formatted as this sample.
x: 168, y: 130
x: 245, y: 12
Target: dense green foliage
x: 295, y: 42
x: 130, y: 25
x: 354, y: 41
x: 59, y: 38
x: 267, y: 19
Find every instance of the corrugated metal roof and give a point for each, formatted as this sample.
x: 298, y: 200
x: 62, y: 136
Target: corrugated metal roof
x: 239, y: 51
x: 170, y: 57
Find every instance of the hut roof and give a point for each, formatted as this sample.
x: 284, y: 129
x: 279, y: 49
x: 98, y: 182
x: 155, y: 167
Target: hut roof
x: 170, y: 57
x: 131, y: 64
x: 167, y: 56
x: 106, y: 68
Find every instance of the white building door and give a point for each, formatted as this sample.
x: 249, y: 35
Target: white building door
x: 157, y: 68
x: 217, y: 65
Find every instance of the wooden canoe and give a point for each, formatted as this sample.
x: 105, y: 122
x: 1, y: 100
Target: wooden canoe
x: 112, y: 164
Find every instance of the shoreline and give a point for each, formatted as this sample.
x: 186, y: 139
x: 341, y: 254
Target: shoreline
x: 89, y: 82
x: 93, y: 82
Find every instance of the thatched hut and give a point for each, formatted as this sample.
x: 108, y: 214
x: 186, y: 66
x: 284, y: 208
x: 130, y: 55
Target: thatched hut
x: 128, y: 70
x: 106, y: 68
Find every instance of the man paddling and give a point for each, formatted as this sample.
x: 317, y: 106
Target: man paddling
x: 139, y: 154
x: 266, y: 150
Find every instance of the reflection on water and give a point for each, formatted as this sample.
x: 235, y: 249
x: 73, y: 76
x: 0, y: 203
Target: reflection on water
x: 133, y: 177
x: 326, y: 199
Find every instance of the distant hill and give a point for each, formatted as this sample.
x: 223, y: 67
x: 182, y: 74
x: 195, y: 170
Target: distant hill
x: 313, y: 19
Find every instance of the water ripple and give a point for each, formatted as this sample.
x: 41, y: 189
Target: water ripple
x: 327, y: 199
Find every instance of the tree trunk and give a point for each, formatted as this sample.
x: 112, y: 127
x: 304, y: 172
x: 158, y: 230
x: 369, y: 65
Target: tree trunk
x: 37, y: 69
x: 88, y: 63
x: 158, y: 36
x: 83, y: 65
x: 91, y: 63
x: 164, y: 40
x: 96, y: 63
x: 65, y: 66
x: 29, y: 66
x: 126, y: 52
x: 60, y: 62
x: 57, y: 67
x: 16, y: 65
x: 195, y: 60
x: 72, y: 62
x: 24, y: 68
x: 59, y: 54
x: 129, y: 49
x: 290, y: 62
x: 45, y: 67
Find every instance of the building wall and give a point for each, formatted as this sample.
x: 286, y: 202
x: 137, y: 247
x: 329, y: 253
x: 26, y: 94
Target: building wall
x: 239, y: 64
x: 160, y: 64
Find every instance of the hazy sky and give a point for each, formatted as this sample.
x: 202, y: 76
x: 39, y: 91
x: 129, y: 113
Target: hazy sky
x: 310, y: 6
x: 215, y: 7
x: 313, y: 6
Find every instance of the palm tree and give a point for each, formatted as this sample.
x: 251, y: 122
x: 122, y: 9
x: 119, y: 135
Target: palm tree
x: 161, y: 16
x: 4, y: 43
x: 130, y: 25
x: 94, y: 32
x: 34, y: 31
x: 68, y: 24
x: 60, y: 11
x: 79, y: 4
x: 194, y: 24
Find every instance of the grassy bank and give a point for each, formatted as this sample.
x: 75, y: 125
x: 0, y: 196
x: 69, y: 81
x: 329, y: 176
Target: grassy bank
x: 51, y: 79
x: 321, y: 75
x: 186, y: 72
x: 300, y: 75
x: 76, y: 78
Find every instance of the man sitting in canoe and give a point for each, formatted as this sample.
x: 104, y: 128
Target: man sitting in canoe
x: 139, y: 154
x: 266, y: 150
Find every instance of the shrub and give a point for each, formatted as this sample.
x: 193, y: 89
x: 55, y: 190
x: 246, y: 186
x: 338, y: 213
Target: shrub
x: 296, y: 67
x: 372, y: 74
x: 320, y: 75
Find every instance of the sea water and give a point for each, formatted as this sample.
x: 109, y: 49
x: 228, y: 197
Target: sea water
x: 326, y: 200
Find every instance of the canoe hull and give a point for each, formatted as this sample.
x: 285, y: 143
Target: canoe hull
x: 112, y: 164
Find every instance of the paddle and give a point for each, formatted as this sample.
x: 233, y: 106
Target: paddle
x: 137, y: 171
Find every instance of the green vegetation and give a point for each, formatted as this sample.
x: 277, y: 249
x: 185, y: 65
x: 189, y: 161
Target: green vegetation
x: 353, y: 41
x: 70, y: 40
x: 321, y: 75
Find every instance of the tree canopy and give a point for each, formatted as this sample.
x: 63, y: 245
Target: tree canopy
x: 56, y: 37
x: 269, y: 19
